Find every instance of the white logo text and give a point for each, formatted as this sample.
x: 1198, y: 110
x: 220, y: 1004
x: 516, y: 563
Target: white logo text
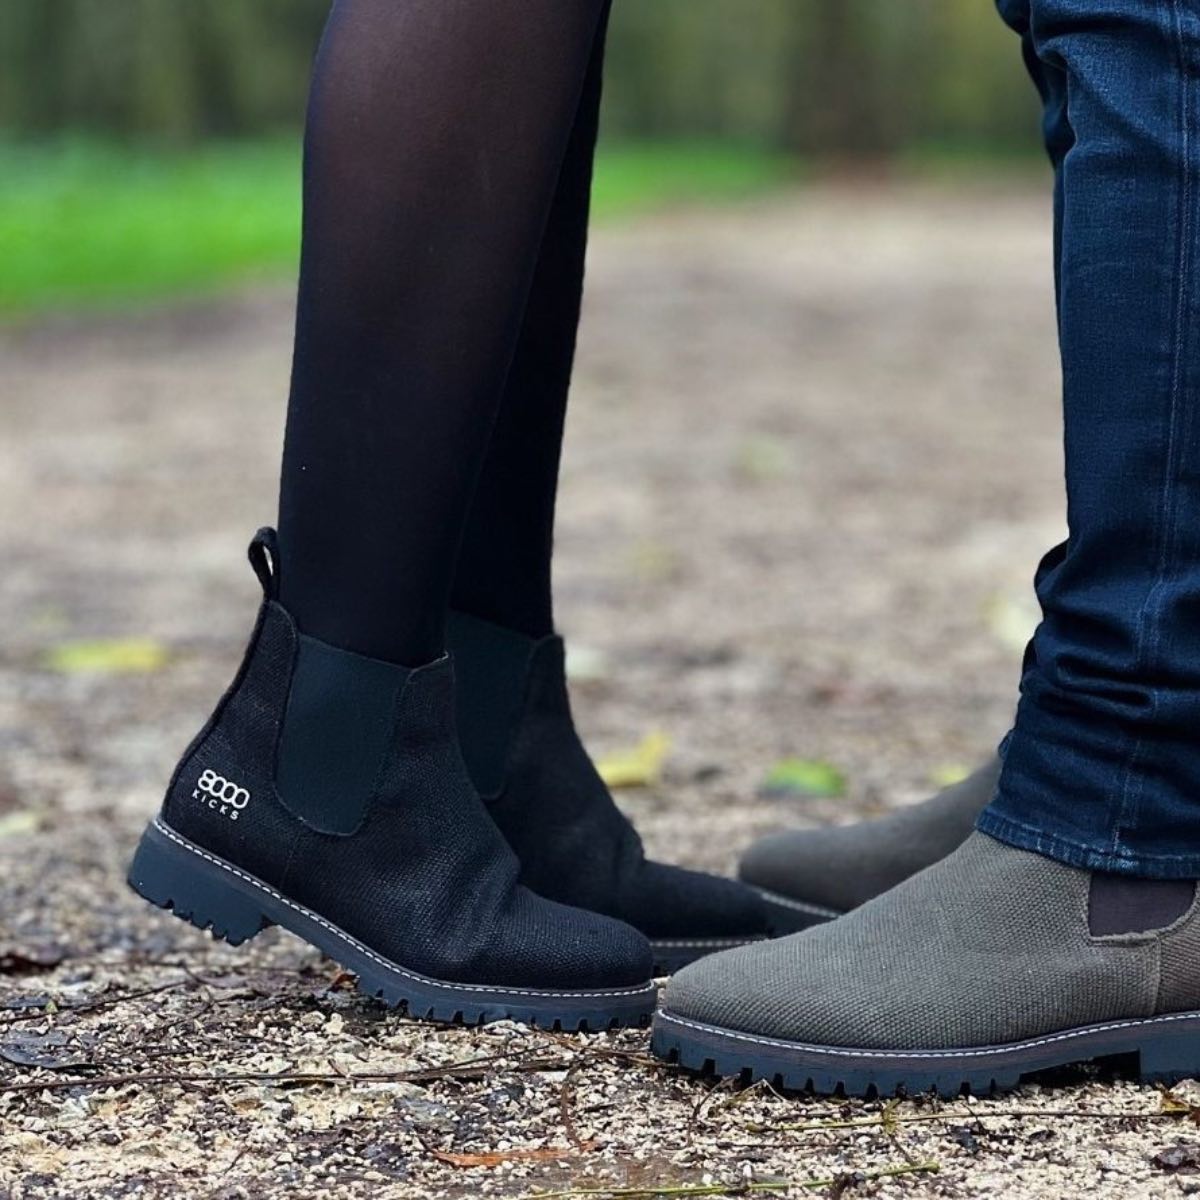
x: 221, y: 794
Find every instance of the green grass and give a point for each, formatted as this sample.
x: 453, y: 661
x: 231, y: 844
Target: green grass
x: 633, y: 178
x: 957, y: 161
x: 94, y: 225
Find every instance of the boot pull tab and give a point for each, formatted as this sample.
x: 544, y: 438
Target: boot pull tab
x: 264, y: 558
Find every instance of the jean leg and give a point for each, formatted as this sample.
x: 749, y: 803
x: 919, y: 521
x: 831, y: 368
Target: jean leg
x: 1102, y: 768
x: 1057, y: 135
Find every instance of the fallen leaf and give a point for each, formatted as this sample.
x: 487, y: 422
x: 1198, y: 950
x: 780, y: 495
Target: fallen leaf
x: 1183, y: 1156
x: 8, y: 794
x: 111, y: 656
x: 430, y: 1115
x: 763, y: 457
x: 20, y: 1003
x: 966, y: 1137
x: 640, y: 766
x: 888, y: 1117
x: 585, y: 663
x: 655, y: 561
x: 1169, y: 1102
x: 25, y: 960
x: 1012, y: 620
x: 24, y: 820
x: 45, y: 1050
x: 948, y: 774
x: 803, y: 777
x: 496, y: 1158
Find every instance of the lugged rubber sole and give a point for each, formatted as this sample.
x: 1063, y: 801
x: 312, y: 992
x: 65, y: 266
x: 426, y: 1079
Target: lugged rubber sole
x: 787, y: 915
x: 1165, y: 1048
x: 673, y: 954
x: 199, y: 887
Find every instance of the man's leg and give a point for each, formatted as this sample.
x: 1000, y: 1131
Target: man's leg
x: 1102, y: 769
x: 1067, y: 928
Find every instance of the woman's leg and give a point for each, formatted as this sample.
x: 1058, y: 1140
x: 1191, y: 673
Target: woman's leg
x: 436, y: 133
x: 327, y: 793
x: 518, y: 736
x: 503, y: 568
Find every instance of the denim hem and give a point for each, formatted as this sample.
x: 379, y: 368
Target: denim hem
x: 1080, y: 854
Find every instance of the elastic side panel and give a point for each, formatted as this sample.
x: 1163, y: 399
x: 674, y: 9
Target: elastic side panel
x: 340, y: 723
x: 1120, y: 905
x: 491, y: 665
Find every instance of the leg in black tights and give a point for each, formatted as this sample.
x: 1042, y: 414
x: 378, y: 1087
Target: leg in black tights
x: 436, y: 134
x: 515, y: 722
x: 503, y: 572
x: 328, y: 793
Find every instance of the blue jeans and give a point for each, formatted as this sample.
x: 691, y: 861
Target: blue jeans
x: 1102, y: 767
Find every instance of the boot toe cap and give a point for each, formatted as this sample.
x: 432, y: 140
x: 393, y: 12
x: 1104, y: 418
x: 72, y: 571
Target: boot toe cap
x: 671, y: 901
x: 572, y: 949
x: 723, y: 990
x: 816, y: 866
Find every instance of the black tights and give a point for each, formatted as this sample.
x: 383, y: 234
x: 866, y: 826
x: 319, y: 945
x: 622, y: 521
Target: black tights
x: 447, y: 168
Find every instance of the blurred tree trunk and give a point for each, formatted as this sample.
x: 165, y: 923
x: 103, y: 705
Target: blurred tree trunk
x: 837, y: 102
x: 163, y: 70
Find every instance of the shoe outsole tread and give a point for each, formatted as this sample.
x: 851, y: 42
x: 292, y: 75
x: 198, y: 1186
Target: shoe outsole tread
x: 1162, y: 1049
x: 233, y: 906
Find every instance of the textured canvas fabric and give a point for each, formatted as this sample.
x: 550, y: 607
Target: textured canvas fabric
x: 573, y: 842
x: 843, y: 866
x: 1179, y: 965
x: 989, y: 946
x: 426, y: 879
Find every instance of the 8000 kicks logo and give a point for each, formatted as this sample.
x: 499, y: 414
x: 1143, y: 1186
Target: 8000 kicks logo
x: 221, y: 794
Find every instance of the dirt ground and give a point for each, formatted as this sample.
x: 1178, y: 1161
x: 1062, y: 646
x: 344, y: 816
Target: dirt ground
x: 813, y: 456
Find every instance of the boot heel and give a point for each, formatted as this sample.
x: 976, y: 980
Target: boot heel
x: 171, y: 877
x: 1172, y: 1052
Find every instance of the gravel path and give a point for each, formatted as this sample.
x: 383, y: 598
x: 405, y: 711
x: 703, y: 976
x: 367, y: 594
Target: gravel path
x: 813, y: 458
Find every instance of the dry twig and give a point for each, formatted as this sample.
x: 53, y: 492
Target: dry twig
x: 732, y: 1189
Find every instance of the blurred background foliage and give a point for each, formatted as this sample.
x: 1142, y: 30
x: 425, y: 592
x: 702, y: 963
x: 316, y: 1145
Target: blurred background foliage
x: 845, y: 78
x: 149, y: 145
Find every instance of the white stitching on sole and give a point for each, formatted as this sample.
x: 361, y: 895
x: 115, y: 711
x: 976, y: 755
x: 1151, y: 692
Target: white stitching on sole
x: 184, y: 844
x: 799, y: 905
x: 700, y: 943
x: 982, y: 1052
